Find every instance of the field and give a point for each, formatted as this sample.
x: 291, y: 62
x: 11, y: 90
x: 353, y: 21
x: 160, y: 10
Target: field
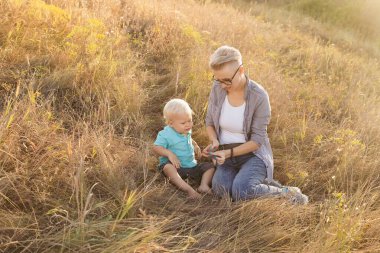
x: 82, y: 87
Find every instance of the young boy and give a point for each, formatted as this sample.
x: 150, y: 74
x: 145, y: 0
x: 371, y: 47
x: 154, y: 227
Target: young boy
x: 176, y: 149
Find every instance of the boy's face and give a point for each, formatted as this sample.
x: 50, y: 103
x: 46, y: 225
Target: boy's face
x: 182, y: 123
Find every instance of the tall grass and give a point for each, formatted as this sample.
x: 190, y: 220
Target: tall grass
x: 82, y: 89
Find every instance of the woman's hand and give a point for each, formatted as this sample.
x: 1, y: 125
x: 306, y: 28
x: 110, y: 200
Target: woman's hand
x: 219, y: 156
x: 210, y: 148
x: 174, y: 160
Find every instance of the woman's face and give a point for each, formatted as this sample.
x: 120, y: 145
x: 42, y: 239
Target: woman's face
x: 229, y: 76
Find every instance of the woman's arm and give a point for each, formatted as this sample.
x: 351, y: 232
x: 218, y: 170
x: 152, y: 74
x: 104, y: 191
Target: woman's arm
x: 211, y: 133
x: 243, y: 149
x: 210, y: 129
x: 260, y: 121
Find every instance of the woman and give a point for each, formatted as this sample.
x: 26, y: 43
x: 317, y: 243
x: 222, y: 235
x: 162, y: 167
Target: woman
x: 237, y: 117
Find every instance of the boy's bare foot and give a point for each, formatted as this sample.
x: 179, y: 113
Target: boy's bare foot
x: 204, y: 189
x: 194, y: 195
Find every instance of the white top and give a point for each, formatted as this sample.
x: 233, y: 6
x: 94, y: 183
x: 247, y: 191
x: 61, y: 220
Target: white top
x: 231, y: 123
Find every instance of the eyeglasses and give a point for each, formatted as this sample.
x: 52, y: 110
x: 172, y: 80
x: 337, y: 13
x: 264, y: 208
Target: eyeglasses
x: 227, y: 82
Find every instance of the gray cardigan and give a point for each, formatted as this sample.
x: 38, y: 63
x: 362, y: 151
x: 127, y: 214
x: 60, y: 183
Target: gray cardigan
x: 256, y: 118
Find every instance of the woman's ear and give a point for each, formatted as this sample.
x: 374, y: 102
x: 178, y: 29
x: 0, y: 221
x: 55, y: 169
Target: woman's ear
x: 242, y: 70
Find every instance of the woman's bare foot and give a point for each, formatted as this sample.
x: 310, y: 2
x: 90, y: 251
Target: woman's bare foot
x: 194, y: 195
x: 204, y: 189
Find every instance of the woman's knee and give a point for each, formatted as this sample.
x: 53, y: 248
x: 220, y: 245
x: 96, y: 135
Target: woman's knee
x: 242, y: 190
x: 221, y: 184
x: 239, y: 190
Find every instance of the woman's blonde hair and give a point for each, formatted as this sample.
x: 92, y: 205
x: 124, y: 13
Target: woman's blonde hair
x: 223, y: 55
x: 176, y: 106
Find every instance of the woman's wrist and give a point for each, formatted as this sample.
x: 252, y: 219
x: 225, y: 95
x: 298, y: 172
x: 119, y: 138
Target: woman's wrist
x: 227, y: 153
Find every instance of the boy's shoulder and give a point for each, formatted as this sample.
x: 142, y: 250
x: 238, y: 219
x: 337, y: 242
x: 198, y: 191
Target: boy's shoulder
x: 170, y: 134
x: 163, y: 137
x: 166, y: 131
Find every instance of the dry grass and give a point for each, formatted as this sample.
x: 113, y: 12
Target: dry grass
x: 82, y: 87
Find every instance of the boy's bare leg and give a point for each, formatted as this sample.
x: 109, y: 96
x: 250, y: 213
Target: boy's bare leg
x: 205, y: 186
x: 171, y: 172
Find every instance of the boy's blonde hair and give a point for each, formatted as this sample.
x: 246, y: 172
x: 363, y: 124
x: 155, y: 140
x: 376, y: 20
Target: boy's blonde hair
x: 176, y: 106
x: 223, y: 55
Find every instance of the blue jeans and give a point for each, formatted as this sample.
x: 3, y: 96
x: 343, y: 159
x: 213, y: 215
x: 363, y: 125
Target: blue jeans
x: 242, y: 178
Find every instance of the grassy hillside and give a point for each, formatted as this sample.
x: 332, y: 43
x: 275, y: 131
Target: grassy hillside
x: 354, y: 15
x: 82, y: 86
x: 350, y: 24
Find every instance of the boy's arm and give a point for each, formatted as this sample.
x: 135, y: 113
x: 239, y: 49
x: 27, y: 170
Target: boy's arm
x: 167, y: 153
x: 197, y: 149
x: 161, y: 151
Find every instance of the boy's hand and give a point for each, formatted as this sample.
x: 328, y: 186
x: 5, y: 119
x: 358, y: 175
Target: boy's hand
x: 174, y: 160
x: 198, y: 151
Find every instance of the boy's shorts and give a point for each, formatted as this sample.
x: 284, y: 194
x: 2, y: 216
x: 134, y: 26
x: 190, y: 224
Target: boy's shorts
x: 194, y: 173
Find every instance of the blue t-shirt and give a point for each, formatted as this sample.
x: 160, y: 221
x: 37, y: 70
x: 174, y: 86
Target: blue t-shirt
x: 179, y: 144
